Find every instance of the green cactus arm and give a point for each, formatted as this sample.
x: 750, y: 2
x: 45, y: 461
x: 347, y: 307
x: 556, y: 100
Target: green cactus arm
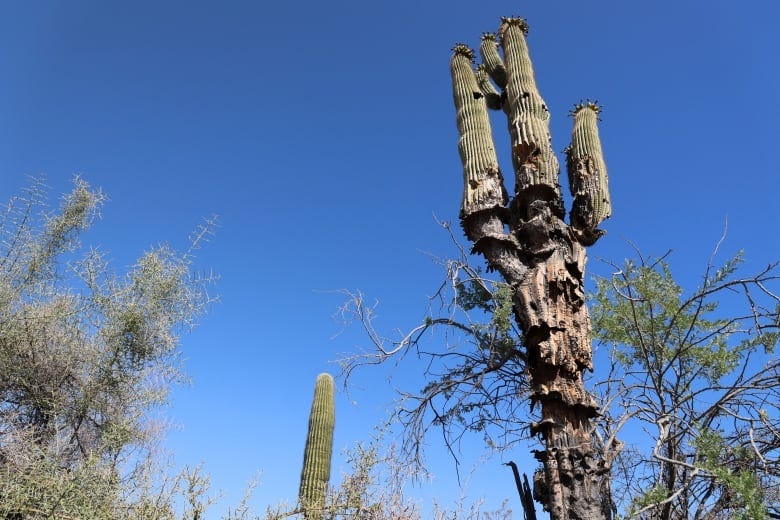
x: 536, y: 165
x: 483, y: 184
x: 587, y: 172
x: 492, y: 96
x: 494, y: 65
x: 315, y: 475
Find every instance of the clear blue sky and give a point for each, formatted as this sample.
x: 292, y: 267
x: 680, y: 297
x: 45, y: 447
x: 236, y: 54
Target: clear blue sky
x: 323, y: 135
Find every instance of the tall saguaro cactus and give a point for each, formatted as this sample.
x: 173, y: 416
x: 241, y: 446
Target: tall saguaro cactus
x: 539, y: 255
x: 319, y: 447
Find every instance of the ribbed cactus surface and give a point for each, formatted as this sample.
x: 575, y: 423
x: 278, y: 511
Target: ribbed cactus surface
x: 494, y: 65
x: 587, y: 171
x: 319, y: 448
x: 483, y: 186
x: 492, y: 96
x: 534, y: 161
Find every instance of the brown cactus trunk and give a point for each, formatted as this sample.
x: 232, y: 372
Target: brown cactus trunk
x: 574, y: 482
x: 527, y: 241
x: 550, y: 308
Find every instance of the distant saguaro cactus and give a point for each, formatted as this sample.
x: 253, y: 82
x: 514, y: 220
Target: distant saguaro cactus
x: 541, y: 257
x: 319, y: 447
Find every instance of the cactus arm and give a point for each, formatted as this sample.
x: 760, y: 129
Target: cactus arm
x: 483, y: 184
x: 535, y: 164
x: 494, y: 65
x: 483, y: 207
x: 315, y: 475
x: 492, y: 96
x: 587, y: 172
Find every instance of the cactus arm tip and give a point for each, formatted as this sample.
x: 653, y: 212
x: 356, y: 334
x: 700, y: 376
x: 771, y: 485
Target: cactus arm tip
x: 461, y: 49
x: 587, y: 104
x: 514, y: 21
x: 492, y: 61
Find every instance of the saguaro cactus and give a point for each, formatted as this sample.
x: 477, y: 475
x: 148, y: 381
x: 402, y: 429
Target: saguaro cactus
x: 319, y: 447
x: 541, y: 256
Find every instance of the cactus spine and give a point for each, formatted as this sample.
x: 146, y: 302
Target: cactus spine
x: 541, y: 257
x: 315, y: 475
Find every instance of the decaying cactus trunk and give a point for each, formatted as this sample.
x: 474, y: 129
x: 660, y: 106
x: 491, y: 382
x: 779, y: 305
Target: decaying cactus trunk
x: 319, y: 447
x: 527, y: 241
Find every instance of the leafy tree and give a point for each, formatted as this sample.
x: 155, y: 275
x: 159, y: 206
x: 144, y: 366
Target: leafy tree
x: 697, y: 369
x: 86, y: 357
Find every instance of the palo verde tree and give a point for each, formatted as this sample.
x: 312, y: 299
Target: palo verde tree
x: 86, y: 357
x: 698, y: 370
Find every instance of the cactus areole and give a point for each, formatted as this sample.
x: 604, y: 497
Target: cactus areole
x: 542, y: 257
x: 315, y: 475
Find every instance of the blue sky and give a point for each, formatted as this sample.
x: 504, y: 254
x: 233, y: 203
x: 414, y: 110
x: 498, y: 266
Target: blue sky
x: 323, y: 136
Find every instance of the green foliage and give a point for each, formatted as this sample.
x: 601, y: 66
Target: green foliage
x: 654, y: 495
x: 644, y: 311
x: 495, y: 300
x: 748, y: 497
x: 697, y: 366
x: 86, y: 357
x: 473, y: 293
x: 502, y: 308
